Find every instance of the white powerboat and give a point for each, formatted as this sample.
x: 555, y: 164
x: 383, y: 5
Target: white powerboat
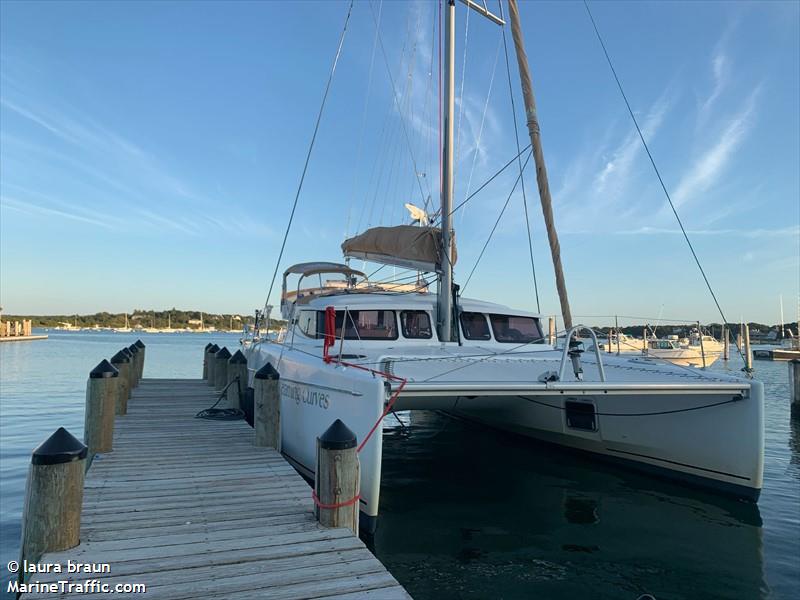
x: 695, y: 351
x: 355, y: 351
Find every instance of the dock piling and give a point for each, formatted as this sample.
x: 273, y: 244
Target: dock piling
x: 726, y: 344
x: 337, y: 479
x: 101, y: 399
x: 135, y: 367
x: 551, y: 331
x: 237, y: 367
x: 140, y: 345
x: 748, y: 354
x: 51, y: 517
x: 212, y: 363
x: 122, y: 363
x: 221, y: 369
x: 267, y: 407
x: 794, y: 387
x: 205, y: 360
x: 131, y: 371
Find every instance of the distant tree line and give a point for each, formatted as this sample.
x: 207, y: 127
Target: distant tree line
x: 160, y: 319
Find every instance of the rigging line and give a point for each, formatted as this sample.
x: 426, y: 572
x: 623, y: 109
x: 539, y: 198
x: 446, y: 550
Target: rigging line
x: 463, y: 79
x: 406, y: 107
x: 496, y: 223
x: 397, y: 103
x: 363, y: 125
x: 519, y: 160
x: 390, y: 143
x: 483, y: 121
x: 488, y: 181
x: 655, y: 168
x: 310, y: 148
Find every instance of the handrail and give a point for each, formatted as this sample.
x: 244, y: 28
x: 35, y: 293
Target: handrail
x: 565, y: 356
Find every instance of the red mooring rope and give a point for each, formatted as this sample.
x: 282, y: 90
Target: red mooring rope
x: 328, y: 341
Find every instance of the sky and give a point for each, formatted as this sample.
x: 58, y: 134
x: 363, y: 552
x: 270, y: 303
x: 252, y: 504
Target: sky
x: 150, y: 153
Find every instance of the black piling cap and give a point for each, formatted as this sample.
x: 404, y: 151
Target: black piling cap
x: 214, y: 349
x: 224, y: 353
x: 103, y: 370
x: 133, y: 349
x: 127, y: 352
x: 61, y: 447
x: 337, y: 437
x: 267, y: 372
x: 208, y: 345
x: 120, y: 357
x: 139, y: 344
x: 238, y: 359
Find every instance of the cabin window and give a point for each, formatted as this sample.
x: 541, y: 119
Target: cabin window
x: 416, y: 324
x: 362, y: 324
x: 475, y: 326
x: 307, y: 322
x: 515, y: 329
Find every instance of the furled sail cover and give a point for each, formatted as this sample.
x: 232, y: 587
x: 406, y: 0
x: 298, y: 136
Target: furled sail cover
x: 402, y: 245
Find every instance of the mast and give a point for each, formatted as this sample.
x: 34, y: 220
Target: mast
x: 538, y: 158
x: 783, y: 322
x: 445, y: 296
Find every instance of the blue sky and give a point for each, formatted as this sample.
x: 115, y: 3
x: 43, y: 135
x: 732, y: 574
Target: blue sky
x: 150, y: 152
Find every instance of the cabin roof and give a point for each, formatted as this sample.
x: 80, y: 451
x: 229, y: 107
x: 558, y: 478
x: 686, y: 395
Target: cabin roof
x: 400, y: 301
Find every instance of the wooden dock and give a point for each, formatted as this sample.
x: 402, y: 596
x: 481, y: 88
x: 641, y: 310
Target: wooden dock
x: 193, y: 509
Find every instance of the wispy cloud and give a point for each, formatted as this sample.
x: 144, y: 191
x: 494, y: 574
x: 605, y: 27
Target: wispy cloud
x: 72, y: 213
x: 615, y: 174
x: 710, y: 165
x: 793, y: 231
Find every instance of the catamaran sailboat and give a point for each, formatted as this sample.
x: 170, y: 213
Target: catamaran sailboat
x: 355, y: 350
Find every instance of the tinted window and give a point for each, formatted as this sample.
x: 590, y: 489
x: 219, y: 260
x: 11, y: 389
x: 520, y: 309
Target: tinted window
x: 510, y: 328
x: 307, y: 322
x: 475, y: 326
x: 362, y: 324
x: 416, y: 324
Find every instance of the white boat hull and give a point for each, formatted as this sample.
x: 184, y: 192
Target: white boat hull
x: 706, y: 433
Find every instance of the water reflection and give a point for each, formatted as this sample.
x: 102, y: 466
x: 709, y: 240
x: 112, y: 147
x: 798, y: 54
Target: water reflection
x: 468, y: 512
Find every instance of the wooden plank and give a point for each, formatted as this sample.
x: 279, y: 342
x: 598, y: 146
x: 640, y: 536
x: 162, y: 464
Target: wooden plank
x: 192, y: 508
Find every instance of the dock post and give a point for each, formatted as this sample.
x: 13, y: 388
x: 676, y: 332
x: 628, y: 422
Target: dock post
x: 267, y: 407
x: 135, y: 367
x: 337, y: 479
x: 748, y: 355
x: 551, y: 331
x: 205, y: 361
x: 51, y: 517
x: 131, y: 371
x: 140, y: 345
x: 237, y: 367
x: 101, y: 399
x: 726, y: 343
x: 122, y: 362
x: 794, y: 387
x: 211, y: 364
x: 221, y: 369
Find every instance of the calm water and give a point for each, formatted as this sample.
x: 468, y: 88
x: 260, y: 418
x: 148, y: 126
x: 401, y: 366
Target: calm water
x: 467, y: 512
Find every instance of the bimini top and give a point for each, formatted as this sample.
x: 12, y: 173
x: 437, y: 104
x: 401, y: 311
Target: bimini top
x: 315, y: 268
x: 402, y: 245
